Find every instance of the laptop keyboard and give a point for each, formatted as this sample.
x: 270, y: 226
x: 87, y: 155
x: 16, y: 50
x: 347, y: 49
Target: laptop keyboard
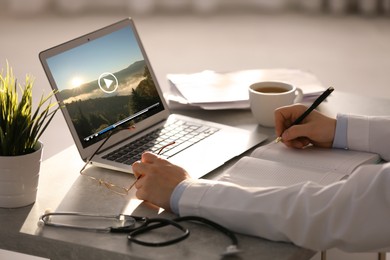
x: 183, y: 133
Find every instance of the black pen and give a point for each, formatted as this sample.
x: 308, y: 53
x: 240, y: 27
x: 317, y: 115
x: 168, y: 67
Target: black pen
x: 315, y: 104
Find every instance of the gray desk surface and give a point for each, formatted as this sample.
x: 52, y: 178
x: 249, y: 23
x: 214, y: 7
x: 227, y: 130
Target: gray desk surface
x: 62, y: 188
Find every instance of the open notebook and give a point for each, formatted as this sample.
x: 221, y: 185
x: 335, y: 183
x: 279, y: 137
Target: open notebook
x: 276, y: 165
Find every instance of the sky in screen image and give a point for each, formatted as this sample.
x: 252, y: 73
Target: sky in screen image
x: 87, y: 62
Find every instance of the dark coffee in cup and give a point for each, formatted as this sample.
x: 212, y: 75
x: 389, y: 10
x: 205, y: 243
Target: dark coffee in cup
x: 266, y: 89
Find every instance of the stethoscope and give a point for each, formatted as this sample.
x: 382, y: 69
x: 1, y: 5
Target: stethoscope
x: 136, y: 225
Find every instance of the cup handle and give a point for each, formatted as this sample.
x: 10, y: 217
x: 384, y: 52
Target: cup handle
x: 299, y: 96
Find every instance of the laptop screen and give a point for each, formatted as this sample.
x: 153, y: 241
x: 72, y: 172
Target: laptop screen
x: 105, y: 84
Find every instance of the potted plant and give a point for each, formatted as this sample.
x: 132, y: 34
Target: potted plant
x: 21, y: 126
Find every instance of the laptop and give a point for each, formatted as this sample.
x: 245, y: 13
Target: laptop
x: 108, y: 93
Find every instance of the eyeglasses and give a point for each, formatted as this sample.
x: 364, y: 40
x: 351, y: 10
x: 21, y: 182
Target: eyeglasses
x: 120, y: 190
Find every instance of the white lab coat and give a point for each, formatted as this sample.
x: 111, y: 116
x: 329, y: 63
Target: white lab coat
x: 353, y: 215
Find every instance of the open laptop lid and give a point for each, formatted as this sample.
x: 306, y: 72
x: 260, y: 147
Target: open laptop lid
x: 104, y: 82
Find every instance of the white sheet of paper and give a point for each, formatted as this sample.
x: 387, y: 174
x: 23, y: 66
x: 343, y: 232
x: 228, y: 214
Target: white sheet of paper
x: 209, y: 87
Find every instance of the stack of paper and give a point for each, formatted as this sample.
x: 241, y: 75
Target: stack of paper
x: 211, y: 90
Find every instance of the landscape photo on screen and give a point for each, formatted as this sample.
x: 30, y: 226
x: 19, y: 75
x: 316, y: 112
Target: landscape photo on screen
x: 105, y: 84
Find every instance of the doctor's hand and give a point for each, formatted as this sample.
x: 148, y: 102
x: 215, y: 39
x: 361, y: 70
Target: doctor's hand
x: 158, y: 179
x: 316, y: 128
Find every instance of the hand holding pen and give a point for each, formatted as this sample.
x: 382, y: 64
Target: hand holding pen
x: 297, y: 125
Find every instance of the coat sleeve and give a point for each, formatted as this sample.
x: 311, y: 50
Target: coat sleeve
x: 352, y: 215
x: 370, y: 134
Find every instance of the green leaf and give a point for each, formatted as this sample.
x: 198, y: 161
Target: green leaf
x: 20, y: 125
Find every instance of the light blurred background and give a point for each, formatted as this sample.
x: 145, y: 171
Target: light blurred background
x: 345, y: 43
x: 142, y: 7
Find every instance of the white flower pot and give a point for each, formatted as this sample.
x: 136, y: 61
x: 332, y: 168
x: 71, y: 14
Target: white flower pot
x: 19, y: 176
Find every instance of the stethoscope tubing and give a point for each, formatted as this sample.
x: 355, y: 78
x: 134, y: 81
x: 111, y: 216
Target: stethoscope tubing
x: 145, y: 225
x: 212, y: 224
x: 159, y: 222
x: 174, y: 222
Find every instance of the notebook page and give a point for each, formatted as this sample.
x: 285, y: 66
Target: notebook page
x: 255, y: 172
x: 335, y: 160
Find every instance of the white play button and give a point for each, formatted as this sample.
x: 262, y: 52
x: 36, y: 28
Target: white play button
x: 108, y: 83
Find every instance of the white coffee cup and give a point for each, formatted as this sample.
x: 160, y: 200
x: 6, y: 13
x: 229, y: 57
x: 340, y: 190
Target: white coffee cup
x: 266, y: 96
